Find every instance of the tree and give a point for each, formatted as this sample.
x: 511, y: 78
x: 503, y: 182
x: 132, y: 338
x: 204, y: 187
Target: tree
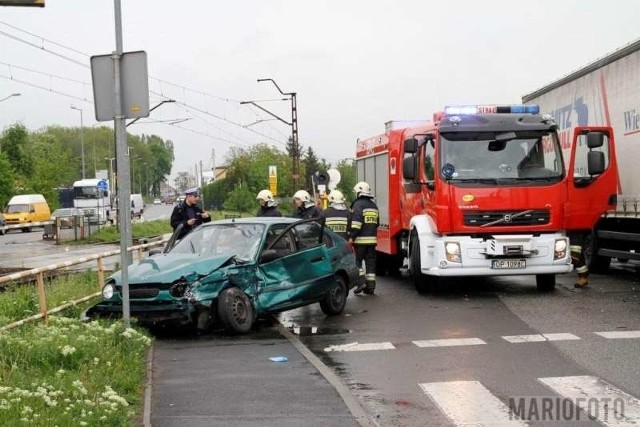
x: 7, y: 180
x: 15, y: 145
x: 183, y: 181
x: 52, y: 167
x: 240, y: 199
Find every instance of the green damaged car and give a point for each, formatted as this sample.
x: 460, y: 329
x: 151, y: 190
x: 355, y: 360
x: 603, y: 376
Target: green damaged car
x: 230, y: 272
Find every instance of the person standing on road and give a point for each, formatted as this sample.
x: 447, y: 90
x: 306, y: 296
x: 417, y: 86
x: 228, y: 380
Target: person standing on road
x: 188, y: 213
x: 268, y: 205
x: 577, y: 239
x: 337, y: 214
x: 305, y: 208
x: 362, y: 234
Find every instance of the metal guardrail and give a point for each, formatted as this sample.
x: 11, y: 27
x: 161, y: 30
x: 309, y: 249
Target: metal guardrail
x: 39, y: 274
x: 25, y: 225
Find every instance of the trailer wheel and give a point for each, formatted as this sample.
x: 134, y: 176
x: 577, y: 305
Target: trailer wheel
x: 422, y: 282
x: 546, y: 282
x: 595, y: 262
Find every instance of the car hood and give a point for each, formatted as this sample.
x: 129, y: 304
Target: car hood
x: 166, y: 268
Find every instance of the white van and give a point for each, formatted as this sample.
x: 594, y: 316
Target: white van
x: 137, y: 206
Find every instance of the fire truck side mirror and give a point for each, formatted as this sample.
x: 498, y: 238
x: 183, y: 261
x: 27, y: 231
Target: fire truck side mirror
x: 409, y: 168
x: 595, y: 139
x: 411, y: 146
x: 595, y: 162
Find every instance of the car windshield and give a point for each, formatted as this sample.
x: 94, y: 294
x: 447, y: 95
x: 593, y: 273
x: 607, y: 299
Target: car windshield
x: 482, y: 156
x: 240, y: 240
x: 17, y: 208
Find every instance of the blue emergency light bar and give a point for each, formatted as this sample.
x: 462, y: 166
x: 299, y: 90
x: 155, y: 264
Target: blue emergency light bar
x: 491, y: 109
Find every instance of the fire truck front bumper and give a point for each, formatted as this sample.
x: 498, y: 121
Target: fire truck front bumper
x: 503, y: 255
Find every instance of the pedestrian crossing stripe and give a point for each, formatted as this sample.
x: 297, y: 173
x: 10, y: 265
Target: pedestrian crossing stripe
x: 619, y: 334
x: 355, y: 346
x: 585, y: 389
x: 469, y: 403
x: 517, y: 339
x: 451, y: 342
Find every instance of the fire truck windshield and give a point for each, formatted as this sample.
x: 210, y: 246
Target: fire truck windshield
x: 480, y: 156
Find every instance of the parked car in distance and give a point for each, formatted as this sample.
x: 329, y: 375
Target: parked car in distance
x: 66, y: 216
x: 229, y: 272
x: 157, y: 201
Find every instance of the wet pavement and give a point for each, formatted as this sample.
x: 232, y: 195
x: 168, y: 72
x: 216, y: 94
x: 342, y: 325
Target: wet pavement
x: 217, y: 380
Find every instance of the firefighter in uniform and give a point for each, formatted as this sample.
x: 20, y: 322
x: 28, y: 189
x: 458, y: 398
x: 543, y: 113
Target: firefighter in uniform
x: 362, y: 233
x: 577, y: 241
x: 268, y: 205
x: 337, y: 215
x: 305, y: 207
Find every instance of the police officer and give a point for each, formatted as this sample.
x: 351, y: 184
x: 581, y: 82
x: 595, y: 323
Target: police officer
x: 305, y: 208
x: 362, y: 234
x: 188, y: 213
x: 577, y: 240
x: 268, y: 205
x: 337, y: 215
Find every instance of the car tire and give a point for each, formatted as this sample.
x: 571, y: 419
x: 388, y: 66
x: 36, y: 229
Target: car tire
x: 546, y: 282
x: 335, y: 299
x: 423, y: 283
x: 235, y: 311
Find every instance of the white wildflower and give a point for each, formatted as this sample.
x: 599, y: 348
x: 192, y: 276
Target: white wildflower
x: 67, y: 350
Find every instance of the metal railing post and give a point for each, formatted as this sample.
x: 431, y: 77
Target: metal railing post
x: 41, y: 296
x: 100, y: 274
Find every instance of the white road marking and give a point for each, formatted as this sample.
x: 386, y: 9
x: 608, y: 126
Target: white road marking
x: 517, y: 339
x: 355, y: 346
x: 608, y: 404
x: 469, y: 403
x: 451, y: 342
x: 619, y: 334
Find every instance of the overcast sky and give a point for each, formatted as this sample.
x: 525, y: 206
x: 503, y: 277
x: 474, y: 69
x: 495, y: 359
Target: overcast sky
x: 353, y: 64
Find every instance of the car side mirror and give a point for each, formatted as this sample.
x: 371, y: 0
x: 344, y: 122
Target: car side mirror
x: 595, y: 162
x: 409, y: 171
x: 595, y: 140
x: 410, y: 145
x: 268, y: 255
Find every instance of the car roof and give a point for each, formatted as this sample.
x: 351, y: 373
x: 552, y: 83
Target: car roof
x: 254, y: 220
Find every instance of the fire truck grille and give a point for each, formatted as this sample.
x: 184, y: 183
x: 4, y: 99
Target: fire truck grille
x: 506, y: 218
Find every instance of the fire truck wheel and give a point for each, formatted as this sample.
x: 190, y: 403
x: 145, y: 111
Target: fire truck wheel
x: 546, y: 282
x: 422, y: 283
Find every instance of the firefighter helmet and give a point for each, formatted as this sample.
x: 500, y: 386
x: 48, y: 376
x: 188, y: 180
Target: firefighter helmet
x: 265, y: 195
x: 362, y: 189
x: 336, y: 197
x: 302, y: 195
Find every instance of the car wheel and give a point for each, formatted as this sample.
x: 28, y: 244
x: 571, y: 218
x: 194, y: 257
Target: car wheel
x: 235, y: 310
x: 336, y: 299
x: 545, y: 282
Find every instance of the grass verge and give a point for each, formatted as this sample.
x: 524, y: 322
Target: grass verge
x: 65, y: 372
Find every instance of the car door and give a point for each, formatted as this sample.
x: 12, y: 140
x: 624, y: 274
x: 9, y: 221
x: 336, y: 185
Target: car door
x: 301, y: 274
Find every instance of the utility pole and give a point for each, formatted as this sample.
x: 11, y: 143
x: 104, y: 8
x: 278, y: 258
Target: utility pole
x: 295, y: 149
x: 81, y: 137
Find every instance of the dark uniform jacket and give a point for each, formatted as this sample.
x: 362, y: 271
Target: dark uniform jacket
x: 268, y: 211
x: 365, y: 219
x: 311, y: 212
x: 183, y: 213
x: 337, y: 220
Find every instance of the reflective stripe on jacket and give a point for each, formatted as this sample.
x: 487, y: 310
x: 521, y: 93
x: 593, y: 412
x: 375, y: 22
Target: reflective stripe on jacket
x: 364, y: 221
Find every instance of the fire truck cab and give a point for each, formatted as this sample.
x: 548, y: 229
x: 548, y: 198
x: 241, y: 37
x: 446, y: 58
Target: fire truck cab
x: 485, y: 191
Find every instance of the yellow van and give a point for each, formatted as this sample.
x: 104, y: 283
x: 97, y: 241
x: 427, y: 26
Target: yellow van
x: 26, y: 209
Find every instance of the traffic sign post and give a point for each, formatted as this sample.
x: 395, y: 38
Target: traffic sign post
x: 273, y: 180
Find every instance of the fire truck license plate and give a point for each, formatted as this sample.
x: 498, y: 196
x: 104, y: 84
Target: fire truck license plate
x: 501, y: 264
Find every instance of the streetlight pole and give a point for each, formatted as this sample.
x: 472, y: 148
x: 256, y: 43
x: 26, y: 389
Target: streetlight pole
x: 10, y: 96
x: 81, y: 137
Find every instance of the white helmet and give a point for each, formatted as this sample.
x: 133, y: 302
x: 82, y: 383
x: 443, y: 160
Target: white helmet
x: 336, y: 197
x: 302, y: 195
x: 362, y: 189
x: 265, y: 195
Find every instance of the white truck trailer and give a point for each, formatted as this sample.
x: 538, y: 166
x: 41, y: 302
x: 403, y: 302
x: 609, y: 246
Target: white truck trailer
x: 605, y: 92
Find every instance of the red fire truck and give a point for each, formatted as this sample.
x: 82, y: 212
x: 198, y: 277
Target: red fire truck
x: 484, y: 191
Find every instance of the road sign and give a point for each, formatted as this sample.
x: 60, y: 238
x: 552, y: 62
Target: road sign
x: 135, y: 85
x: 103, y: 185
x: 273, y: 179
